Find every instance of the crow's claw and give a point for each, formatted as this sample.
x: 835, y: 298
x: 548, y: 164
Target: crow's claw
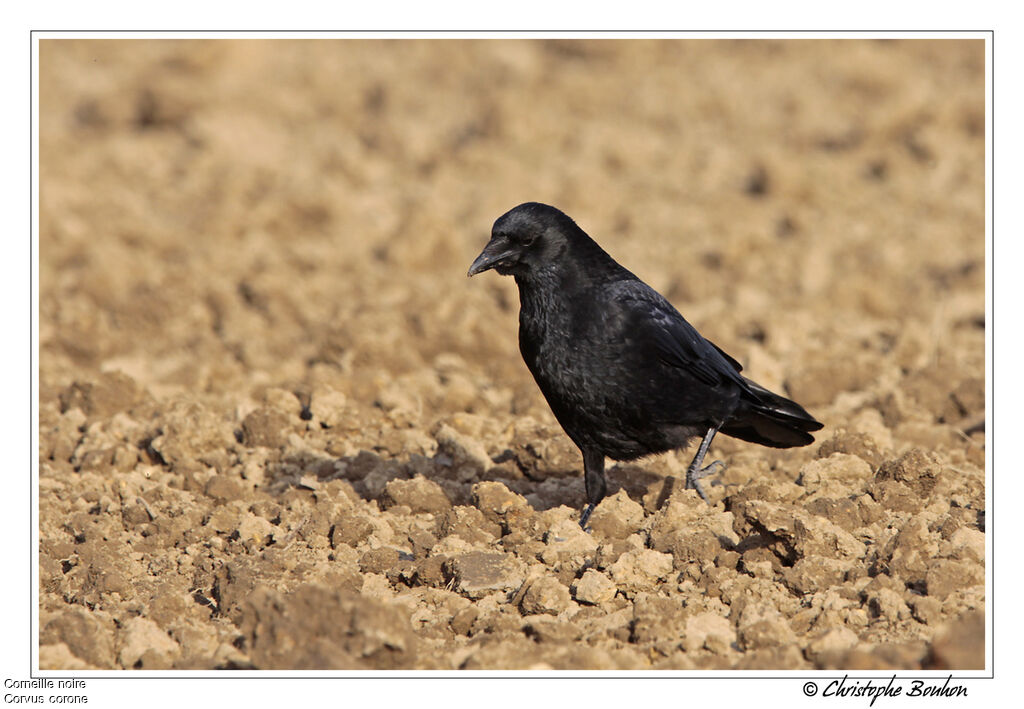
x: 694, y: 476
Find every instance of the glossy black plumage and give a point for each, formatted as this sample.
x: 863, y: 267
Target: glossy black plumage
x: 623, y: 372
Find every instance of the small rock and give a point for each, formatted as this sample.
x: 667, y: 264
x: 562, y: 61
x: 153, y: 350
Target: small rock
x: 759, y: 562
x: 265, y: 427
x: 418, y: 494
x: 855, y: 443
x: 186, y: 430
x: 960, y: 646
x: 547, y: 630
x: 616, y: 517
x: 376, y: 585
x: 688, y: 545
x: 916, y: 468
x: 224, y: 488
x: 566, y: 543
x: 594, y: 588
x: 909, y: 654
x: 378, y: 561
x: 422, y: 542
x: 946, y: 576
x: 110, y: 393
x: 842, y: 511
x: 766, y: 633
x: 546, y: 595
x: 958, y: 517
x: 327, y: 406
x: 351, y: 530
x: 500, y: 505
x: 968, y: 544
x: 913, y: 549
x: 476, y: 574
x: 837, y: 468
x: 541, y: 450
x: 853, y: 659
x: 232, y: 584
x: 808, y: 534
x: 657, y: 619
x: 84, y: 633
x: 895, y: 496
x: 887, y: 603
x: 144, y: 645
x: 467, y: 457
x: 374, y: 482
x: 463, y: 621
x: 469, y: 524
x: 499, y: 622
x: 811, y: 574
x: 926, y: 609
x: 314, y: 627
x: 708, y: 630
x: 727, y: 560
x: 430, y: 571
x: 640, y: 569
x: 59, y: 657
x: 833, y: 640
x: 256, y: 529
x: 773, y: 658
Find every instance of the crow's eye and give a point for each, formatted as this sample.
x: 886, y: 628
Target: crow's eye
x: 528, y: 239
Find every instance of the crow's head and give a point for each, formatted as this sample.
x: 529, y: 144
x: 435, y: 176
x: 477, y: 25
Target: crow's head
x: 525, y: 238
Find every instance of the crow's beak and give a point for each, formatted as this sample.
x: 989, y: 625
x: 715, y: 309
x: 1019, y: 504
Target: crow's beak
x: 494, y: 253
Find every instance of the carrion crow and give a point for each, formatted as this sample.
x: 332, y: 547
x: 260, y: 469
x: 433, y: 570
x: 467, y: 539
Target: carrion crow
x: 625, y: 375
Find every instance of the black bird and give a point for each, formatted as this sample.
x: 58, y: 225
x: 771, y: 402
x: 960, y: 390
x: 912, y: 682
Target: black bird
x: 625, y: 375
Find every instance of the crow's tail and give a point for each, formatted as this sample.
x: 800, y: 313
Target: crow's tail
x: 770, y: 419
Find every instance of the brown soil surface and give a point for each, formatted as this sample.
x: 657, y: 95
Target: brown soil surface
x: 279, y: 427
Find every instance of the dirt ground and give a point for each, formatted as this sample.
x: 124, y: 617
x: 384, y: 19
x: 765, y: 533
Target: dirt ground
x: 280, y: 428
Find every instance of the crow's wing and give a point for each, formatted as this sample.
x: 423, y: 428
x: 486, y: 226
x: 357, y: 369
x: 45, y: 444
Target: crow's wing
x: 735, y: 365
x: 677, y: 343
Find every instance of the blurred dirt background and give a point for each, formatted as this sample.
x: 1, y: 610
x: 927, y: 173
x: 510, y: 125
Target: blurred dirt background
x: 279, y: 427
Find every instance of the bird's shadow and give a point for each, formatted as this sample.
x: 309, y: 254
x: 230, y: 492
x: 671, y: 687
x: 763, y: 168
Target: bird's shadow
x: 368, y: 472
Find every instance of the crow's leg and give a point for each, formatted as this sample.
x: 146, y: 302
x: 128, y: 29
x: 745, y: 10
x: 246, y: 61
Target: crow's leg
x: 593, y: 476
x: 694, y: 473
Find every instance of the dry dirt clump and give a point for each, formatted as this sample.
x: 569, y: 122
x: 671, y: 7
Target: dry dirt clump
x: 279, y: 428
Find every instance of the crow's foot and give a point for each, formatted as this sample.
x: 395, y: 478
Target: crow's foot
x: 694, y: 476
